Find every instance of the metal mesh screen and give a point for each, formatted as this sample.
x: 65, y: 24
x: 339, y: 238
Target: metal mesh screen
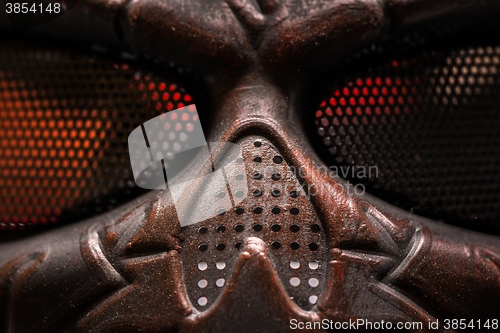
x: 428, y: 121
x: 64, y: 122
x: 278, y: 211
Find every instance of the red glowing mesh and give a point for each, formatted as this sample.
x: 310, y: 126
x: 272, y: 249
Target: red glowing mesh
x: 64, y: 123
x: 371, y: 96
x: 430, y: 125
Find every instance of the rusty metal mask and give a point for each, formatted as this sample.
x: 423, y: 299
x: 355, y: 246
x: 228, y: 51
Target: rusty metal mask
x: 302, y: 245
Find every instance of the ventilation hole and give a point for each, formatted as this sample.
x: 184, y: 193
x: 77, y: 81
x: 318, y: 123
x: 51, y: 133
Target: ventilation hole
x: 276, y: 193
x: 257, y: 159
x: 294, y: 246
x: 313, y: 265
x: 295, y: 281
x: 277, y: 159
x: 257, y: 227
x: 276, y: 227
x: 257, y: 143
x: 257, y: 193
x: 257, y: 176
x: 276, y: 176
x: 294, y: 210
x: 239, y: 210
x: 221, y: 228
x: 294, y: 193
x: 239, y: 160
x: 203, y: 230
x: 294, y: 228
x: 203, y: 247
x: 313, y: 299
x: 202, y: 301
x: 239, y: 194
x: 221, y: 246
x: 257, y: 210
x: 313, y: 246
x: 294, y: 264
x: 276, y: 245
x: 202, y: 283
x: 220, y: 282
x: 239, y: 228
x: 221, y: 211
x: 238, y: 245
x: 221, y: 194
x: 240, y: 176
x: 276, y: 210
x: 202, y: 265
x: 313, y: 282
x: 315, y: 228
x: 220, y: 264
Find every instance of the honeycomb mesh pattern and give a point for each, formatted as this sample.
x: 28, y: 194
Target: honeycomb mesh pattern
x: 428, y: 127
x: 277, y: 211
x: 64, y: 122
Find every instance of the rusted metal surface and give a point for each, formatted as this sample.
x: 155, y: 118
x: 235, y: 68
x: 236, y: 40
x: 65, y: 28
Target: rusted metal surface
x: 136, y: 269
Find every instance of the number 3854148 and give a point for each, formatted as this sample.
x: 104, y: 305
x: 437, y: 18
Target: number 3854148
x: 462, y: 324
x: 28, y: 8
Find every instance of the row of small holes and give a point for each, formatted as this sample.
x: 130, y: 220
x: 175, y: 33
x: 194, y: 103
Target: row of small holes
x: 295, y: 282
x: 204, y: 247
x: 203, y: 283
x: 257, y: 227
x: 258, y: 210
x: 295, y: 264
x: 202, y: 265
x: 258, y: 176
x: 238, y: 194
x: 275, y: 245
x: 313, y: 282
x: 276, y: 159
x: 275, y: 193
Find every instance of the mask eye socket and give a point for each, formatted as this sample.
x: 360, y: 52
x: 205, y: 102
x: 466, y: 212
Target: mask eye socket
x: 421, y: 130
x: 64, y: 122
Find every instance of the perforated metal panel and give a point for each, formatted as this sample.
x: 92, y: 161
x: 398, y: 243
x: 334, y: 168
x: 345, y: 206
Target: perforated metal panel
x: 277, y: 211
